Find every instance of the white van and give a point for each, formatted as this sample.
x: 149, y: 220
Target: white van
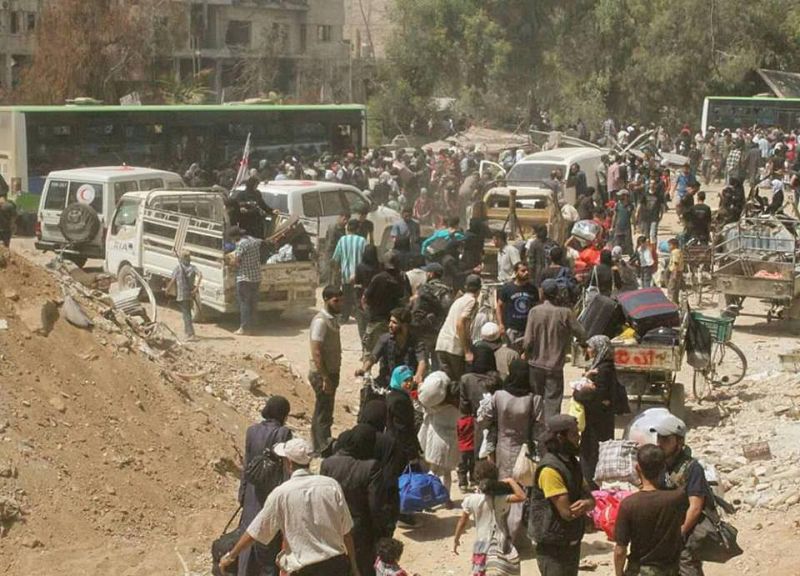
x: 98, y: 190
x: 149, y: 229
x: 535, y: 169
x: 322, y: 202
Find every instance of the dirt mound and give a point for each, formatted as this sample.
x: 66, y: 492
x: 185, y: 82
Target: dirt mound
x: 111, y: 460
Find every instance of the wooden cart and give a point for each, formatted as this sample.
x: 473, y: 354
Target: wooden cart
x: 648, y: 371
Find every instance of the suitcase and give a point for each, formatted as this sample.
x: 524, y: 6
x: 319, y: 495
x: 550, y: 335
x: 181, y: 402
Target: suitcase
x: 664, y: 335
x: 648, y: 308
x: 602, y: 316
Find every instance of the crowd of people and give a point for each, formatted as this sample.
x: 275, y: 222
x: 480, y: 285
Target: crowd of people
x: 460, y: 383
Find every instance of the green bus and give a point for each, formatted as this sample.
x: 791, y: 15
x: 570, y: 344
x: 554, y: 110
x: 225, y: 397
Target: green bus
x: 739, y: 112
x: 35, y: 140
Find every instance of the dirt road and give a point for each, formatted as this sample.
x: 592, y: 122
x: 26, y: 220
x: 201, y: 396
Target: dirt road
x: 768, y: 536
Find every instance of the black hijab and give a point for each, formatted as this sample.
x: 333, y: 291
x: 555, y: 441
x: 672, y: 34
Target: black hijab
x: 483, y: 359
x: 359, y: 442
x: 374, y: 414
x: 518, y: 380
x: 276, y: 408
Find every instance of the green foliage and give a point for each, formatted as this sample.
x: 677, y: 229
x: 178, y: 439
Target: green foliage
x: 638, y: 59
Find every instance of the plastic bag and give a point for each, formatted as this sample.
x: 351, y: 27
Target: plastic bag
x: 577, y: 410
x: 524, y: 468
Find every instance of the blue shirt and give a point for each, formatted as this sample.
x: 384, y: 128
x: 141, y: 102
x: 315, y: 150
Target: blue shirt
x: 683, y: 181
x: 443, y: 233
x: 348, y: 253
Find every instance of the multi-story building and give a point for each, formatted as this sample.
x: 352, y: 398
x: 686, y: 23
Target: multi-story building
x: 293, y: 47
x: 290, y: 46
x: 368, y: 27
x: 18, y: 19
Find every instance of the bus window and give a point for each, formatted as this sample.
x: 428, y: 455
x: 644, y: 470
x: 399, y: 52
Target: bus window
x: 120, y: 188
x: 311, y: 205
x: 56, y: 195
x: 151, y: 184
x: 97, y: 201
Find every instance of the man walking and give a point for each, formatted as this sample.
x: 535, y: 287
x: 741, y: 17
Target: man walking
x: 650, y: 522
x: 514, y: 301
x: 429, y: 308
x: 686, y: 473
x: 8, y: 216
x: 347, y: 255
x: 385, y: 292
x: 623, y: 218
x: 185, y: 282
x: 548, y: 336
x: 326, y: 362
x: 560, y: 500
x: 247, y: 260
x: 453, y: 346
x: 507, y: 256
x: 311, y: 513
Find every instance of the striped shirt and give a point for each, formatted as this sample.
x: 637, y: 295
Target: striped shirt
x: 248, y: 255
x: 348, y: 253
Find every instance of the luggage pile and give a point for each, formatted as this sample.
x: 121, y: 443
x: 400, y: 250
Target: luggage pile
x: 645, y: 314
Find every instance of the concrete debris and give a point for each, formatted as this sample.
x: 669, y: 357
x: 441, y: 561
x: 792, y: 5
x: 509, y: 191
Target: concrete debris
x: 3, y: 324
x: 249, y: 380
x: 74, y: 314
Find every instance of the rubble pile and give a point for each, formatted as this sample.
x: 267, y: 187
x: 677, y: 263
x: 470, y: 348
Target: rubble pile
x: 755, y: 446
x: 117, y: 443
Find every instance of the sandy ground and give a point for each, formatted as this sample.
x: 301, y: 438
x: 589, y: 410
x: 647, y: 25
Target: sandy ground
x: 429, y: 545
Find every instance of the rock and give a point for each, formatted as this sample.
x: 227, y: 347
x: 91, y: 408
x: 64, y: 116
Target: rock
x: 3, y: 324
x: 10, y: 294
x: 31, y: 542
x: 58, y: 404
x: 760, y: 471
x: 8, y: 470
x: 248, y: 380
x: 121, y: 341
x: 40, y: 317
x: 111, y: 491
x: 793, y: 499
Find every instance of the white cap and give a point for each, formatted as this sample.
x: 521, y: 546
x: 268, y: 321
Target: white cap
x: 669, y: 425
x: 490, y: 332
x: 297, y: 450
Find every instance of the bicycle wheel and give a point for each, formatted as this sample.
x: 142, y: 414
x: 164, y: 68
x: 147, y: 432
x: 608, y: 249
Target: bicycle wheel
x: 701, y: 387
x: 729, y: 365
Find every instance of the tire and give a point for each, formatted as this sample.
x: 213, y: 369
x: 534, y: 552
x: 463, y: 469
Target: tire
x: 731, y: 364
x: 700, y: 386
x: 677, y: 400
x: 79, y: 223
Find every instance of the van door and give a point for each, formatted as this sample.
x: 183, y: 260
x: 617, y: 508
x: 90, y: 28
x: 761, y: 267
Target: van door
x: 122, y: 242
x: 493, y: 169
x: 53, y: 202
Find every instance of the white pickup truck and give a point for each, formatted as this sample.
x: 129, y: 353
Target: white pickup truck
x: 149, y: 229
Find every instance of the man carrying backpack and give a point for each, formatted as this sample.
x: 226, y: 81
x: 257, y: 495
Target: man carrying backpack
x: 429, y: 309
x: 560, y: 500
x: 261, y: 473
x: 538, y: 251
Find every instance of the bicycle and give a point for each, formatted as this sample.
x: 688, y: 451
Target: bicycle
x: 727, y: 365
x: 698, y: 259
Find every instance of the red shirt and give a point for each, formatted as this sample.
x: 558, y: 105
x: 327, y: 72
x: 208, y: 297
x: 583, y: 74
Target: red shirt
x: 466, y: 434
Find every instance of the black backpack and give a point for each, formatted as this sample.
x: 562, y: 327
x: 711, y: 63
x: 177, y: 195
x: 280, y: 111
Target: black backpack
x: 265, y: 471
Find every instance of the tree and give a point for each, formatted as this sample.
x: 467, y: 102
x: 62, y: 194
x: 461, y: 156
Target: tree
x: 95, y: 47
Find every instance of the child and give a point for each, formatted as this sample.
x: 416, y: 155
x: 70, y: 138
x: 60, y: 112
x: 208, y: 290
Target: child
x: 466, y: 445
x: 389, y: 553
x: 489, y: 509
x: 646, y: 261
x: 675, y: 269
x: 184, y: 282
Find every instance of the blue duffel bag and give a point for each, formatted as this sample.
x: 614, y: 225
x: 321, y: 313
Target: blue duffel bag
x: 420, y: 491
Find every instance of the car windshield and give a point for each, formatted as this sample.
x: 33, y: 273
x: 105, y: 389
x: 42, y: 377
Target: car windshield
x: 526, y: 173
x: 276, y: 201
